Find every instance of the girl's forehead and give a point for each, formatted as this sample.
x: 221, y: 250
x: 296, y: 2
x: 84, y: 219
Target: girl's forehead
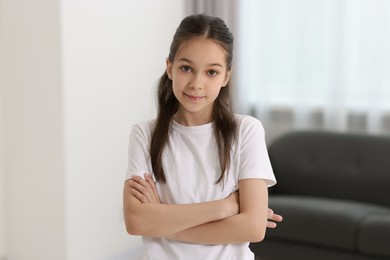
x: 202, y: 50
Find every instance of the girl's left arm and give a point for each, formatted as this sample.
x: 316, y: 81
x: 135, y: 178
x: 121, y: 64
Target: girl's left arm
x: 248, y: 226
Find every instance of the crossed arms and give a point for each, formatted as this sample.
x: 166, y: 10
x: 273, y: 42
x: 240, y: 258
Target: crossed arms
x: 241, y: 217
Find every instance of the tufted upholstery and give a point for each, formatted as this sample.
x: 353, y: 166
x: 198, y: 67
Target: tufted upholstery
x: 332, y: 165
x: 334, y: 193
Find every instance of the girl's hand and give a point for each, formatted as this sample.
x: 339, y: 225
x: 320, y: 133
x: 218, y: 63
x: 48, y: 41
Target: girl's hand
x: 144, y: 190
x: 272, y: 218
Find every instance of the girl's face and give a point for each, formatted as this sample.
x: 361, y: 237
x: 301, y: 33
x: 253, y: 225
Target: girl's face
x: 198, y: 73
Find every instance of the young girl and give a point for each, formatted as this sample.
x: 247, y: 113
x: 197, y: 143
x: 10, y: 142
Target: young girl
x: 198, y: 174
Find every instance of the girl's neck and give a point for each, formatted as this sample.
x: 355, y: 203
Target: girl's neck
x: 187, y: 119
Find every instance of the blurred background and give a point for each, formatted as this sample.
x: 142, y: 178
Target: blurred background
x: 75, y: 75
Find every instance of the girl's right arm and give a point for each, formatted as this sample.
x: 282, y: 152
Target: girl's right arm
x: 161, y: 220
x: 215, y: 232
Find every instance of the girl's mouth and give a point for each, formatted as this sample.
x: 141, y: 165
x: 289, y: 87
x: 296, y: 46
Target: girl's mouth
x: 194, y: 98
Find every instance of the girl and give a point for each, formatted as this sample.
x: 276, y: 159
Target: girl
x: 206, y: 194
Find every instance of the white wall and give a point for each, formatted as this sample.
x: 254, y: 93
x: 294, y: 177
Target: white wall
x: 2, y: 193
x: 113, y: 54
x: 76, y: 74
x: 2, y: 186
x: 32, y: 120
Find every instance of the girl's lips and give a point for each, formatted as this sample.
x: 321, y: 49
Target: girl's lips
x: 194, y: 98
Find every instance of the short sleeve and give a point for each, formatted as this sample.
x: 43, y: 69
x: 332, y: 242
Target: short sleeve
x: 138, y: 151
x: 254, y: 159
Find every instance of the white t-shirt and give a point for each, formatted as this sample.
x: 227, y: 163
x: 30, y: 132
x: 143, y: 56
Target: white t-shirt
x: 191, y: 166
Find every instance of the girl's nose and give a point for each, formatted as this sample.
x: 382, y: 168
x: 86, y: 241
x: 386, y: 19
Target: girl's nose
x: 197, y: 82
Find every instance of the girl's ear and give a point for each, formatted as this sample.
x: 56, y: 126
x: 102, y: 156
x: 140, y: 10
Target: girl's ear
x: 169, y: 68
x: 227, y: 78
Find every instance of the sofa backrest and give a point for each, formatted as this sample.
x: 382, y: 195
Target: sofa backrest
x: 332, y: 165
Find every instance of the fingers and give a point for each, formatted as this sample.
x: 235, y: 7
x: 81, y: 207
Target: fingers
x: 146, y: 188
x: 271, y: 224
x: 152, y: 184
x: 138, y: 189
x: 277, y: 218
x: 272, y: 218
x: 270, y: 214
x: 139, y: 196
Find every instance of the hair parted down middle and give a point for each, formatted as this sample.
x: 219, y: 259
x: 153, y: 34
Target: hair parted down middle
x: 195, y: 26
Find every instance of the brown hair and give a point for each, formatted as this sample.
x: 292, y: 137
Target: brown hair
x: 224, y: 125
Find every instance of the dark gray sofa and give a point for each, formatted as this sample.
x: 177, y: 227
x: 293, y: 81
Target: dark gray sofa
x: 334, y: 194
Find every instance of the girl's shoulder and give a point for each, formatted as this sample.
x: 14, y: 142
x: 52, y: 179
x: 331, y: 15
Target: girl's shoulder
x: 245, y: 122
x: 145, y: 124
x: 143, y: 128
x: 248, y: 127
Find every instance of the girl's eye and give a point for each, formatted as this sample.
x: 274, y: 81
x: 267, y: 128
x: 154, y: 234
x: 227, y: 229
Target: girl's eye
x: 186, y: 68
x: 212, y: 73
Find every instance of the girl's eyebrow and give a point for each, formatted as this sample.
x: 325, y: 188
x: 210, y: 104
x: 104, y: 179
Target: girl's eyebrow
x: 210, y: 64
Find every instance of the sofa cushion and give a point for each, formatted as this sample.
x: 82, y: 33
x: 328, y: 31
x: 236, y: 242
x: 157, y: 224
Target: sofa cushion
x: 375, y: 235
x: 326, y: 222
x: 333, y: 165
